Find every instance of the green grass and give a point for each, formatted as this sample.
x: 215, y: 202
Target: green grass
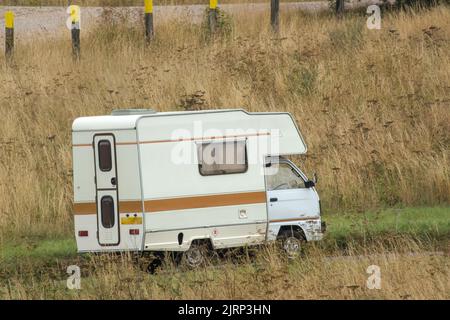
x: 44, y: 250
x: 427, y: 222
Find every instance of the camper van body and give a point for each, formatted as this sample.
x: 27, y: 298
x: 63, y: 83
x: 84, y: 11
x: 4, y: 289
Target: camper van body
x: 139, y: 185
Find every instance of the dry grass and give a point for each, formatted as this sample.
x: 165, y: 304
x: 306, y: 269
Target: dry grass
x: 102, y: 3
x: 406, y: 273
x: 373, y: 105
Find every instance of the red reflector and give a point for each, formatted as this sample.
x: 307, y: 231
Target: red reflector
x: 134, y: 231
x: 83, y: 233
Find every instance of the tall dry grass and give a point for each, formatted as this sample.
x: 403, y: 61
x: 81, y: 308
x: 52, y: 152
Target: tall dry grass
x: 372, y: 105
x: 406, y: 272
x: 101, y: 3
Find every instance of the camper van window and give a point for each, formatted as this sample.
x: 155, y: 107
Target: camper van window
x: 282, y: 176
x: 107, y: 207
x: 217, y: 158
x: 104, y: 155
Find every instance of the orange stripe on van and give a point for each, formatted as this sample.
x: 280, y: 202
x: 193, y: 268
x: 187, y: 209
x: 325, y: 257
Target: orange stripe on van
x: 295, y: 219
x: 91, y: 207
x: 183, y: 139
x: 205, y: 201
x: 130, y: 206
x: 207, y: 138
x: 220, y: 200
x: 84, y: 208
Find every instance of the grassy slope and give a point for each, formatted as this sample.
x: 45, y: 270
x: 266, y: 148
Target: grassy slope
x: 375, y: 114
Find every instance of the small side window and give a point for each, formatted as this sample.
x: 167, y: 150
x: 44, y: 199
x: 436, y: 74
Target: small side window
x: 107, y: 207
x: 104, y: 155
x: 217, y: 158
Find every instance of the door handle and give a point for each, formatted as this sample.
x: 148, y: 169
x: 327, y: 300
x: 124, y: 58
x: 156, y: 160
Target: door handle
x: 273, y: 199
x: 113, y: 181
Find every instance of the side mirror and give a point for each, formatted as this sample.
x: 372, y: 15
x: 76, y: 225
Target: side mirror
x: 309, y: 184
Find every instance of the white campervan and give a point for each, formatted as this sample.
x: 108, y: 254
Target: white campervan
x: 175, y: 181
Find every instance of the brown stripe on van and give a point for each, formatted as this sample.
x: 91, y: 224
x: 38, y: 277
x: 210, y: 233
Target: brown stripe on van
x: 82, y: 145
x: 295, y: 219
x: 220, y: 200
x: 84, y: 208
x: 91, y: 207
x: 207, y: 138
x: 182, y: 139
x: 130, y: 206
x: 117, y: 143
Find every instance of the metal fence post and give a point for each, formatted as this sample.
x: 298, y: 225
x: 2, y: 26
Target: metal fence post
x: 9, y: 35
x: 212, y: 16
x: 339, y: 8
x: 148, y: 17
x: 275, y: 15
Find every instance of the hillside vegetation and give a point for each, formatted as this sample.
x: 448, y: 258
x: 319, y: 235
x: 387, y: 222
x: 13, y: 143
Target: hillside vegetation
x: 373, y: 105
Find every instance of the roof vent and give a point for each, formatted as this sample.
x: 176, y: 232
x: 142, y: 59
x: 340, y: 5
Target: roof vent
x: 129, y: 112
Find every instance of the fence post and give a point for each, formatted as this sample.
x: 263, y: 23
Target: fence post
x: 275, y: 15
x: 9, y: 35
x: 76, y: 43
x: 148, y: 17
x: 339, y: 8
x: 75, y: 30
x: 212, y: 16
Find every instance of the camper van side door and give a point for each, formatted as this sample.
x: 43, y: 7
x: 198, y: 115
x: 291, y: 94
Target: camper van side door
x: 106, y: 189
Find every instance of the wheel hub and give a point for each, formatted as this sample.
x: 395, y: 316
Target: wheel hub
x: 194, y: 257
x: 292, y: 246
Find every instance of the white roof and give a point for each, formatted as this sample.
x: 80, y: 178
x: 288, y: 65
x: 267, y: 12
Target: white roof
x: 121, y: 122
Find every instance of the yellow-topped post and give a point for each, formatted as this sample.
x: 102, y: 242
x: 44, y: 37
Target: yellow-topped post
x: 148, y: 6
x: 9, y: 35
x: 212, y: 15
x: 9, y: 20
x: 148, y: 16
x: 74, y: 23
x: 213, y: 4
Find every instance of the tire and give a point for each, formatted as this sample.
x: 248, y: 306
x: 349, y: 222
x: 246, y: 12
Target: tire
x: 292, y: 242
x: 154, y: 266
x: 196, y: 256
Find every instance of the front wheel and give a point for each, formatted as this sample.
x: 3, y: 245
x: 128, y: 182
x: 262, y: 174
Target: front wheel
x: 292, y: 242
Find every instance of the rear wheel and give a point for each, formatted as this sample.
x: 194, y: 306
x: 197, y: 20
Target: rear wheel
x: 196, y: 255
x: 292, y: 242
